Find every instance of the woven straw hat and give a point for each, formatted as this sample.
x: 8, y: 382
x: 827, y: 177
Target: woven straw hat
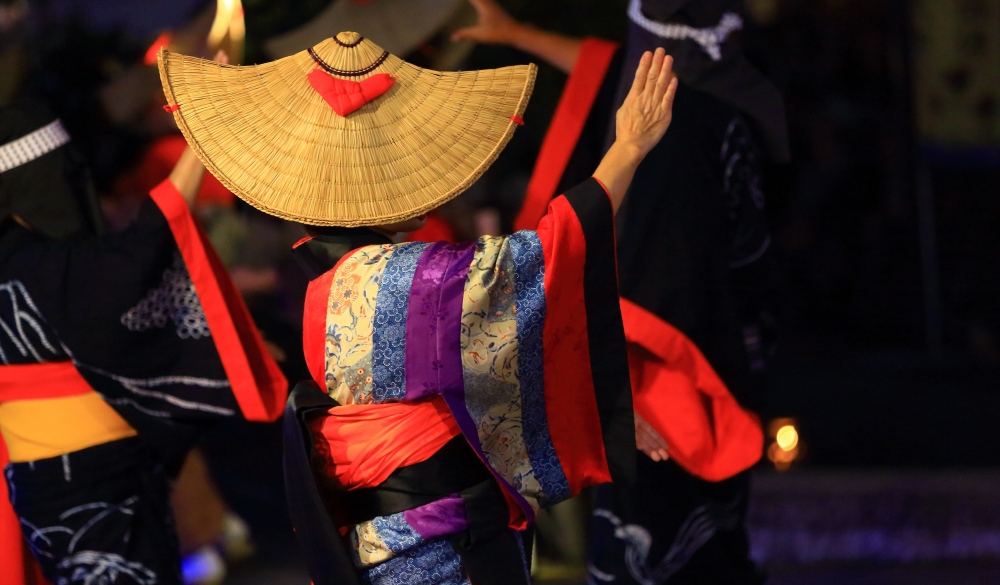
x: 278, y: 144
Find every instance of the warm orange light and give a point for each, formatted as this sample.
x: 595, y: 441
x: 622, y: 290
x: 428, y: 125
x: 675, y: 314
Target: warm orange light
x: 786, y: 448
x: 228, y: 29
x: 220, y: 26
x: 787, y: 438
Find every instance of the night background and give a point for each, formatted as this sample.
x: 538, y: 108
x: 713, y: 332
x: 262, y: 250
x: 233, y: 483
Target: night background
x: 886, y: 351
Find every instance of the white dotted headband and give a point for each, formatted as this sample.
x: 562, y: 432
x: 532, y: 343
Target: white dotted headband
x: 29, y: 147
x: 710, y: 39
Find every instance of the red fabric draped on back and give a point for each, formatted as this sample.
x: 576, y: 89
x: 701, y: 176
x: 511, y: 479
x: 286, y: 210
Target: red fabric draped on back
x: 676, y: 390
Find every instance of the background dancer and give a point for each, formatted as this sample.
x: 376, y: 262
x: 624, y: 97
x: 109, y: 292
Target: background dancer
x: 118, y: 349
x: 693, y: 258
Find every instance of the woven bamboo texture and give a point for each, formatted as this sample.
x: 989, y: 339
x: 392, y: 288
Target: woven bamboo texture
x: 272, y: 140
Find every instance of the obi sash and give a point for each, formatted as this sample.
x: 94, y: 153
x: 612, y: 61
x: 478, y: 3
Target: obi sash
x: 450, y: 494
x: 49, y: 409
x: 29, y: 382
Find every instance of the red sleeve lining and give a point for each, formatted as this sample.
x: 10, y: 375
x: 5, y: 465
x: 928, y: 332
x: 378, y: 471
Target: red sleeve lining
x: 258, y: 384
x: 571, y: 409
x: 676, y: 390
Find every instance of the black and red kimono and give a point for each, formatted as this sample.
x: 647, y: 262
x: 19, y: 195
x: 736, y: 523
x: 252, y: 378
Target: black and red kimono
x: 148, y: 319
x: 461, y: 387
x: 691, y: 237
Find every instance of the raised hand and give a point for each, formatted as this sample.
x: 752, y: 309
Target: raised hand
x: 495, y: 26
x: 640, y: 123
x: 646, y: 113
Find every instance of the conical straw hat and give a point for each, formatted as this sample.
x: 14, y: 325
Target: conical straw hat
x: 399, y: 25
x: 275, y: 142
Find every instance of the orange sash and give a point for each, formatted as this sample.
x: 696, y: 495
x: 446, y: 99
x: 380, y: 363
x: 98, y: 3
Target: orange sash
x: 364, y: 443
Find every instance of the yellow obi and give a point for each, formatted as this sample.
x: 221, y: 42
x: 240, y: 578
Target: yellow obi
x: 62, y: 415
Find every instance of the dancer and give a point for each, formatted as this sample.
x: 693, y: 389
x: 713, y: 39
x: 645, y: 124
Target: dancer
x: 461, y: 387
x: 116, y: 350
x: 693, y: 262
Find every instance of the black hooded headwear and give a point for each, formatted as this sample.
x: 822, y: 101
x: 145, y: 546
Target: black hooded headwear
x: 51, y: 190
x: 727, y: 74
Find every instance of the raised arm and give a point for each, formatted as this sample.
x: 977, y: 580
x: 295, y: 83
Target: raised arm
x: 496, y: 27
x: 640, y: 123
x: 187, y: 175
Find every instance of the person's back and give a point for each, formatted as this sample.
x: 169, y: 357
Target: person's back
x: 456, y: 388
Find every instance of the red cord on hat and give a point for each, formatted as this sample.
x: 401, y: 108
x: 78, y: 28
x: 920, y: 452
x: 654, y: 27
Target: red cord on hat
x: 172, y: 108
x: 517, y: 120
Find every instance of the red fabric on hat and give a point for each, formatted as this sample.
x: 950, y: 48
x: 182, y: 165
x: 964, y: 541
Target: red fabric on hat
x: 346, y: 96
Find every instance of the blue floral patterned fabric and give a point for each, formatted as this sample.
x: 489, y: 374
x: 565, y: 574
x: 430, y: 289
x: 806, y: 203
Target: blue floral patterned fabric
x: 389, y: 332
x: 434, y: 563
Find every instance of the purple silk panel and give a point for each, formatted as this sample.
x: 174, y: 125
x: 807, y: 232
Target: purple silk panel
x: 433, y: 340
x: 434, y: 321
x: 441, y: 518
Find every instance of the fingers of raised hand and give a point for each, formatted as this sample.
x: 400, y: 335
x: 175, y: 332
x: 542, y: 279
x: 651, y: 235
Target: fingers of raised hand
x: 654, y: 69
x: 668, y: 96
x: 664, y: 75
x: 639, y: 83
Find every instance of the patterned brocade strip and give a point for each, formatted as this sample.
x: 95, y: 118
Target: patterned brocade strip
x: 381, y: 538
x: 396, y: 545
x: 435, y: 562
x: 349, y: 325
x: 491, y: 404
x: 389, y: 335
x: 529, y: 283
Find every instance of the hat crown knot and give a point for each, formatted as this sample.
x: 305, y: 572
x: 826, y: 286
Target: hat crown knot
x: 348, y: 39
